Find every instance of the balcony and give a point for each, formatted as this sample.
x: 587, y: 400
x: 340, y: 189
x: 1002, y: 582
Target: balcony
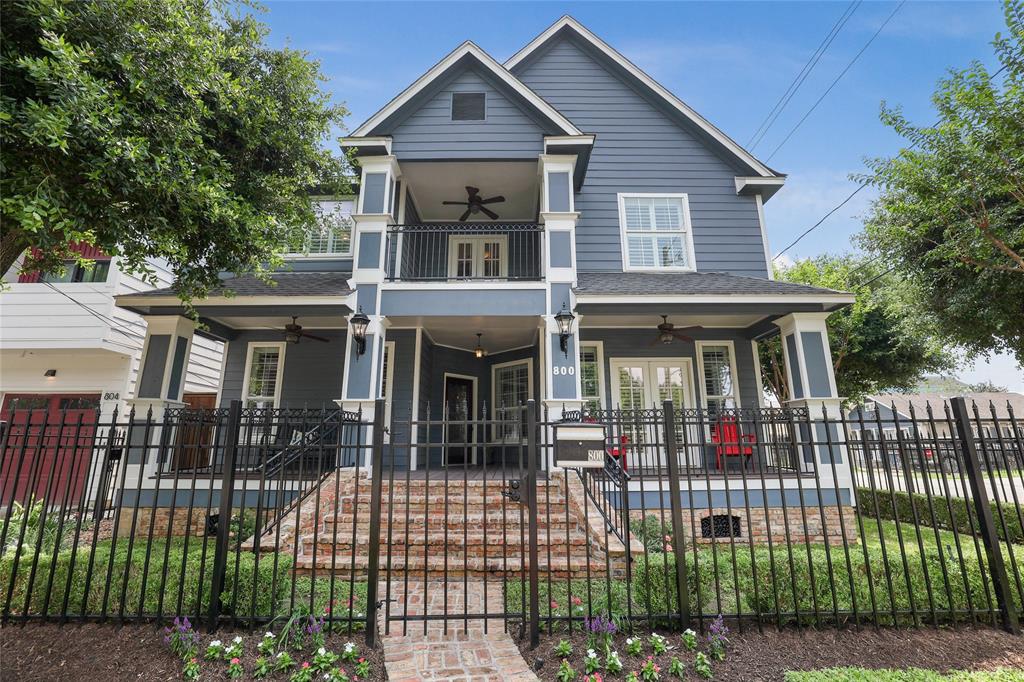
x: 465, y: 252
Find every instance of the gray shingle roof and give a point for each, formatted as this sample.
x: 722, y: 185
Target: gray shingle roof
x: 687, y: 283
x: 284, y: 284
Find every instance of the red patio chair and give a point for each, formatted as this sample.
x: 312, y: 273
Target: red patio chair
x: 729, y: 442
x: 619, y: 451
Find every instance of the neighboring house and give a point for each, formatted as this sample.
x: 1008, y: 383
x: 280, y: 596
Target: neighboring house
x: 495, y: 200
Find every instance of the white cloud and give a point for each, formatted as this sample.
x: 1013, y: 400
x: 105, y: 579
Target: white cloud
x: 1001, y: 369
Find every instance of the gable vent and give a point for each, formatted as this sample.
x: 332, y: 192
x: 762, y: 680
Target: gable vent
x: 468, y: 106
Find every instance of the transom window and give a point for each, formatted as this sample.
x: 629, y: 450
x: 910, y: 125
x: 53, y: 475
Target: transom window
x: 478, y: 257
x: 655, y: 232
x: 718, y: 372
x: 332, y: 234
x: 263, y: 375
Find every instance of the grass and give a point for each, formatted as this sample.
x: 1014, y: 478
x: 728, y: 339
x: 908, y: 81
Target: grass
x: 908, y: 675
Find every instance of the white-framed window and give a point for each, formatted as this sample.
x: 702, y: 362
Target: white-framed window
x: 264, y: 367
x: 656, y: 232
x: 511, y: 387
x: 592, y: 375
x: 332, y: 234
x: 387, y: 383
x: 718, y: 374
x: 478, y: 257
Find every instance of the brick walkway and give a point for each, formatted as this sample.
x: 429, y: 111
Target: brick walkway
x: 470, y: 654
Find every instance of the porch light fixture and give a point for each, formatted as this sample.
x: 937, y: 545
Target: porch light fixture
x: 564, y: 319
x: 479, y: 351
x: 359, y: 323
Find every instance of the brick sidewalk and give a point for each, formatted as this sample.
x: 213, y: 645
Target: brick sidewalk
x: 481, y: 652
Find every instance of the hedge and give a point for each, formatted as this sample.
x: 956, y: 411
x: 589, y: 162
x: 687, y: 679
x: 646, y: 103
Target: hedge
x: 193, y: 583
x: 959, y: 520
x: 758, y: 587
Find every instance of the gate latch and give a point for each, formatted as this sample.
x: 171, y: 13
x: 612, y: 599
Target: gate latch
x: 512, y: 492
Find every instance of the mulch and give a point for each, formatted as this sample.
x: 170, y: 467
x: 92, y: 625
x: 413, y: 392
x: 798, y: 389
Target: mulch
x: 767, y: 656
x: 100, y: 652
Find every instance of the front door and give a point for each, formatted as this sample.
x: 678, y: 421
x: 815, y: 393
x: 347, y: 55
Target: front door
x: 643, y: 384
x: 459, y: 410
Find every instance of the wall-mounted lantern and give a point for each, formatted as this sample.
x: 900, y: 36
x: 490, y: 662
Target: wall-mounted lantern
x: 359, y: 322
x: 564, y: 319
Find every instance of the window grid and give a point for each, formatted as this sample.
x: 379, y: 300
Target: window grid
x: 655, y: 232
x: 262, y: 386
x: 719, y: 384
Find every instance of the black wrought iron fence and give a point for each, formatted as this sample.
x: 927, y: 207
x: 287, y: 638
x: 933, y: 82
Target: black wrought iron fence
x: 785, y: 516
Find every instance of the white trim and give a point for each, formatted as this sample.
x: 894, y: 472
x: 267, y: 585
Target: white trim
x: 699, y: 350
x: 650, y: 386
x: 713, y: 298
x: 416, y: 369
x: 279, y: 379
x: 600, y: 371
x: 455, y: 239
x: 467, y: 48
x: 494, y: 384
x: 637, y: 73
x: 368, y: 141
x: 223, y: 371
x: 759, y: 202
x: 444, y: 415
x: 451, y: 286
x: 758, y: 186
x: 758, y: 377
x: 686, y: 232
x: 567, y: 140
x: 388, y: 383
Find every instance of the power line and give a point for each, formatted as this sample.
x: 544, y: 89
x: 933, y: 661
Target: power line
x: 836, y: 80
x: 798, y: 80
x: 114, y: 325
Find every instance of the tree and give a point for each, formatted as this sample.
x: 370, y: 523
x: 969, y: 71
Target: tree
x: 156, y: 129
x: 879, y: 343
x: 950, y: 215
x: 987, y: 387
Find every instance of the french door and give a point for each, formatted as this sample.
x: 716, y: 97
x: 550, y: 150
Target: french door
x: 478, y: 257
x: 644, y: 384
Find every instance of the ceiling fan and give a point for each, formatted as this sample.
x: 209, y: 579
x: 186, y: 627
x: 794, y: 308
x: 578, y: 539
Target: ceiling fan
x: 474, y: 204
x: 293, y: 333
x: 667, y: 332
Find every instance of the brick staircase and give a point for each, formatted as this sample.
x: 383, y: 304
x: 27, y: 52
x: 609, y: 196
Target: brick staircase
x: 475, y: 532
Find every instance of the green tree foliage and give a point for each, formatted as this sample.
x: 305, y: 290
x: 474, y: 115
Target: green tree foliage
x: 879, y: 343
x: 950, y: 215
x: 156, y: 128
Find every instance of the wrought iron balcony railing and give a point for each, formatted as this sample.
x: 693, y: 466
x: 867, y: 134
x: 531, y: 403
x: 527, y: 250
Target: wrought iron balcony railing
x: 459, y: 252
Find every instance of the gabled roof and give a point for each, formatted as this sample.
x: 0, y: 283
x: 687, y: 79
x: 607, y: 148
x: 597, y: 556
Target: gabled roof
x: 645, y: 84
x: 468, y: 51
x: 1001, y: 403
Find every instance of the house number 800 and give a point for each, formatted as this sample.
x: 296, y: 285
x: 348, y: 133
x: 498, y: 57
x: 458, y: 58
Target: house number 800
x: 564, y: 371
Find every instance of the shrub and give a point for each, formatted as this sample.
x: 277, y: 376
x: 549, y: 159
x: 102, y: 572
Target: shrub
x: 959, y: 520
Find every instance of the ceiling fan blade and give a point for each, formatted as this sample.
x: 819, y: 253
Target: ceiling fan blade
x: 683, y: 337
x: 695, y: 328
x: 471, y: 191
x: 493, y: 200
x: 314, y: 337
x: 455, y: 203
x: 489, y: 212
x: 465, y: 215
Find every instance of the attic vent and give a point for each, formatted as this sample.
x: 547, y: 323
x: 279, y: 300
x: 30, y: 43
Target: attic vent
x: 468, y: 106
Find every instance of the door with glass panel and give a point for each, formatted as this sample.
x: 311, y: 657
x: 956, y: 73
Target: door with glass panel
x: 478, y: 257
x: 645, y: 385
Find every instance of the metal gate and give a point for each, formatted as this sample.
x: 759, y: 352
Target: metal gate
x: 454, y: 522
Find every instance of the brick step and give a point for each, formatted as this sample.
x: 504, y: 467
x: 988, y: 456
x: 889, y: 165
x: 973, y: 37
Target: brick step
x: 453, y: 525
x: 512, y: 566
x: 456, y: 542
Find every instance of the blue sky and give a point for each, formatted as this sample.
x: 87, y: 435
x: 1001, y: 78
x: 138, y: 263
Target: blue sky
x: 730, y: 61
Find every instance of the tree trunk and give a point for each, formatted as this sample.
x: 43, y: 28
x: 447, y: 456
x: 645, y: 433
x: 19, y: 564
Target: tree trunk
x: 12, y: 244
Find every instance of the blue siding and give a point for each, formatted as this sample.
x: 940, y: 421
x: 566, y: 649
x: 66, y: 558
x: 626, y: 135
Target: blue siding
x: 429, y: 133
x: 639, y: 148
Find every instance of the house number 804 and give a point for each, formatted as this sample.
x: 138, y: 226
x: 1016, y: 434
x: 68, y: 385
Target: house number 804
x: 564, y: 371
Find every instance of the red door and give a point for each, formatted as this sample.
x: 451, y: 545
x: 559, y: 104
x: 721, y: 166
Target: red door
x: 47, y: 447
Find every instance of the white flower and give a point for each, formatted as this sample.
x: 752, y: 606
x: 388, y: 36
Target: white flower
x: 237, y: 640
x: 591, y: 653
x: 269, y: 635
x: 350, y: 646
x: 321, y: 651
x: 629, y: 640
x: 280, y: 654
x: 215, y: 642
x: 689, y: 633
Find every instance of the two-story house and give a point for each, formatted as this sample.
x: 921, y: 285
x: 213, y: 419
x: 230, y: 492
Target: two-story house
x: 558, y: 227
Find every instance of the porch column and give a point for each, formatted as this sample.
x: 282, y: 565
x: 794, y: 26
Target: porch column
x: 377, y: 208
x: 159, y: 385
x: 812, y: 385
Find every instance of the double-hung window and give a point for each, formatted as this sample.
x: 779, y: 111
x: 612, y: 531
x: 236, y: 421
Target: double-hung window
x: 656, y: 232
x: 590, y: 376
x: 330, y: 236
x: 718, y: 374
x: 263, y: 369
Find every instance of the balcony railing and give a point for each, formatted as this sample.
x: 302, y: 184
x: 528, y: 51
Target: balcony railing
x: 458, y: 252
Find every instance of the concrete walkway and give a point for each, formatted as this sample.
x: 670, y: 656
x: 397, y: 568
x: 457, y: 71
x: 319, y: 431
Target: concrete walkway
x: 479, y: 650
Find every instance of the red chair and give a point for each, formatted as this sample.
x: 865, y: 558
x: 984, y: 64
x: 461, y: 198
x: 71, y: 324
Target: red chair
x: 618, y: 452
x: 725, y: 433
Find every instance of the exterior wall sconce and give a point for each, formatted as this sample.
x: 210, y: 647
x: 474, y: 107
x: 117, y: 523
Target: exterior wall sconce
x: 359, y: 322
x: 564, y: 319
x: 50, y: 373
x: 479, y: 351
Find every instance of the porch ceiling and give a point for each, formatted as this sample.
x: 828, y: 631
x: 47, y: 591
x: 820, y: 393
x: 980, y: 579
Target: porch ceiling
x: 499, y: 333
x: 649, y: 320
x: 433, y: 182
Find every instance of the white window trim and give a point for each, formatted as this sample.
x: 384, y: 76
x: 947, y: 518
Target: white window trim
x: 388, y: 382
x: 478, y: 256
x: 732, y: 368
x: 689, y: 390
x: 600, y: 372
x: 494, y: 385
x: 474, y: 406
x: 687, y: 231
x: 281, y: 346
x: 451, y: 107
x: 301, y: 255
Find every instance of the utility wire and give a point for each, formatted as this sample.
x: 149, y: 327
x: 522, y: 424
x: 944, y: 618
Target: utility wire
x: 114, y: 325
x: 836, y: 80
x: 798, y: 80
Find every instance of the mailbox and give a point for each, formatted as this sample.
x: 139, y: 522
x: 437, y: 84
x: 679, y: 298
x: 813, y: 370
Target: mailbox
x: 579, y: 445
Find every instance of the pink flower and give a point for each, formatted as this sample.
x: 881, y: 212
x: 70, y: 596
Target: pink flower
x: 305, y: 664
x: 235, y: 661
x: 668, y: 538
x: 576, y: 601
x: 668, y: 548
x: 554, y: 604
x: 362, y: 660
